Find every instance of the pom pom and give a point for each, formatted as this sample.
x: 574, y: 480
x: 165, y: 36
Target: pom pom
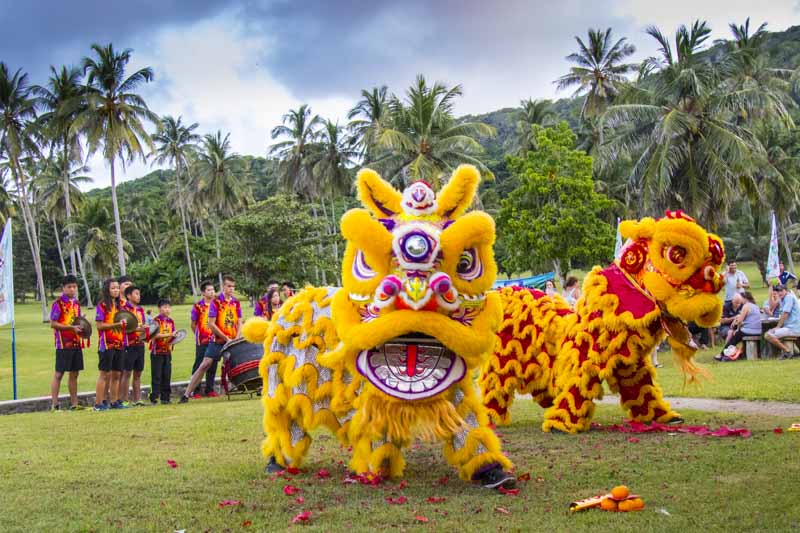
x: 255, y: 329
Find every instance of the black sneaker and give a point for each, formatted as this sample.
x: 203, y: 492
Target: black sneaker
x: 273, y: 467
x: 785, y: 355
x: 184, y: 399
x: 165, y: 402
x: 496, y: 478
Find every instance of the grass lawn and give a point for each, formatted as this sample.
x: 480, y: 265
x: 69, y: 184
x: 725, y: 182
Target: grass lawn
x: 106, y: 471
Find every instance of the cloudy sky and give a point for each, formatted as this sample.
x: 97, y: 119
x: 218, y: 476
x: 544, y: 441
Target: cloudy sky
x: 238, y: 65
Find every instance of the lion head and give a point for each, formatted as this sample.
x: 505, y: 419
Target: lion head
x: 678, y: 263
x: 415, y: 315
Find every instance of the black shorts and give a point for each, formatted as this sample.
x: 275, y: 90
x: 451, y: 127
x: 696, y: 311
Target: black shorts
x: 200, y: 351
x: 69, y: 359
x: 134, y: 358
x: 111, y: 360
x: 214, y: 351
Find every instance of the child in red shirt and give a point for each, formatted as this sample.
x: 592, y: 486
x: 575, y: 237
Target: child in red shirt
x: 161, y: 354
x: 133, y: 361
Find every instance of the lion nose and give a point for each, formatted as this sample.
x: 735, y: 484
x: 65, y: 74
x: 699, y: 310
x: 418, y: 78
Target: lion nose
x: 415, y: 288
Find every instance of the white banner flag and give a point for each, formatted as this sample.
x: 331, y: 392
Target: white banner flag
x: 618, y: 243
x: 773, y: 263
x: 6, y: 277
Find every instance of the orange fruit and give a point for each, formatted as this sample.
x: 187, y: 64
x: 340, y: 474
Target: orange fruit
x: 637, y: 504
x: 620, y: 492
x: 607, y: 504
x: 625, y: 506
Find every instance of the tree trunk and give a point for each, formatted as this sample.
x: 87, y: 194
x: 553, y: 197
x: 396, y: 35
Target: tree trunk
x: 786, y: 246
x: 219, y: 256
x: 117, y: 226
x: 321, y: 252
x: 557, y: 270
x: 58, y: 247
x: 184, y: 228
x: 30, y: 228
x: 68, y: 208
x: 83, y: 275
x: 335, y: 241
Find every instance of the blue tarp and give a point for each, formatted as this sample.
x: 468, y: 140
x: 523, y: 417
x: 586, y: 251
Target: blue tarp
x: 537, y: 282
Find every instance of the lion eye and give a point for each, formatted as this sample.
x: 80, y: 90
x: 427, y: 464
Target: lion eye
x: 469, y: 265
x: 676, y: 254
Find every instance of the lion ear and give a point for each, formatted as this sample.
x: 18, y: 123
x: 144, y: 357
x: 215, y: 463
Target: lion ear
x: 457, y: 195
x: 637, y: 229
x: 377, y: 195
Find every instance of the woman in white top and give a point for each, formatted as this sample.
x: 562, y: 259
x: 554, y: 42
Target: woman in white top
x: 571, y: 291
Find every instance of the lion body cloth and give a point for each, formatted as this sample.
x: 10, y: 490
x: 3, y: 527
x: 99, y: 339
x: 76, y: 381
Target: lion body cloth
x: 667, y: 275
x: 391, y: 355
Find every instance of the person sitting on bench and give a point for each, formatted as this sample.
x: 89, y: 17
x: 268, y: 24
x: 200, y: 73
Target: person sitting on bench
x: 746, y: 323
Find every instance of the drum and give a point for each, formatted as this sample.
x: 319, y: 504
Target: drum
x: 243, y: 358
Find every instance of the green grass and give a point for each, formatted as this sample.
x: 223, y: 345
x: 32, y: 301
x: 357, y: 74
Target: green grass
x: 106, y: 471
x: 36, y: 354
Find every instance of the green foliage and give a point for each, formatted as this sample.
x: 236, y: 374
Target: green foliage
x: 555, y: 213
x: 273, y: 239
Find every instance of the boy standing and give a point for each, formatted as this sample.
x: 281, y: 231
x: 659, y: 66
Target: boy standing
x: 202, y: 336
x: 134, y: 353
x: 224, y: 319
x: 69, y: 344
x: 161, y: 354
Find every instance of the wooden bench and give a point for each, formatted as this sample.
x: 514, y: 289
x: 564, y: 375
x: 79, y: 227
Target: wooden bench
x: 751, y: 346
x: 771, y: 352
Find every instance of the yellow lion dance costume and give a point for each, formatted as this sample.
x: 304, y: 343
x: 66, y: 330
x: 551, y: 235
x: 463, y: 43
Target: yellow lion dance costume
x: 667, y: 275
x: 391, y: 355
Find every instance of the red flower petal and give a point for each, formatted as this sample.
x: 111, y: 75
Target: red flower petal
x: 290, y: 490
x: 524, y: 477
x: 403, y: 484
x: 172, y: 464
x: 305, y: 516
x: 323, y: 474
x: 300, y: 499
x: 633, y: 440
x: 778, y: 430
x: 509, y: 492
x: 293, y: 470
x: 443, y: 480
x: 420, y: 518
x: 400, y: 500
x: 229, y: 503
x: 434, y: 499
x: 247, y: 523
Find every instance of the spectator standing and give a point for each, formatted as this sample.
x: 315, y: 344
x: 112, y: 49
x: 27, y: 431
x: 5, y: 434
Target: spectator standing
x: 133, y: 363
x: 785, y: 277
x: 549, y: 288
x: 735, y: 281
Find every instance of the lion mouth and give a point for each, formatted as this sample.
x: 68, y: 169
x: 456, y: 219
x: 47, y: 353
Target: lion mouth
x: 411, y: 367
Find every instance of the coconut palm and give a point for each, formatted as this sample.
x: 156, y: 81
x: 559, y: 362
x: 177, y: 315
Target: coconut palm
x: 687, y: 150
x: 61, y: 100
x: 94, y: 227
x: 59, y: 198
x: 219, y: 181
x: 175, y: 142
x: 300, y: 130
x: 368, y: 118
x: 18, y: 139
x: 114, y: 117
x: 600, y: 70
x: 538, y: 112
x: 424, y: 141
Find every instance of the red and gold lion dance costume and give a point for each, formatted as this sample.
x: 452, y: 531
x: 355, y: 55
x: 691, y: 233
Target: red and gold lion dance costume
x: 391, y: 355
x: 667, y: 275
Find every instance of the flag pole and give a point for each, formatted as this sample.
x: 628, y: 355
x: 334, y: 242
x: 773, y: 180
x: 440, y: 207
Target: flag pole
x: 14, y: 358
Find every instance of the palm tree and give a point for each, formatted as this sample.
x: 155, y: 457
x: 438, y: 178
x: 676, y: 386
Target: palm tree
x: 174, y: 144
x: 423, y: 140
x: 61, y: 101
x: 600, y: 70
x: 687, y: 152
x: 368, y: 118
x: 539, y: 112
x: 95, y: 225
x: 300, y: 129
x: 219, y: 181
x: 7, y: 202
x: 50, y: 186
x: 17, y: 140
x: 113, y: 117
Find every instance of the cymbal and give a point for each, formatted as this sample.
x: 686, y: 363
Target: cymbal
x: 181, y: 334
x: 153, y: 328
x: 86, y: 326
x: 131, y: 322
